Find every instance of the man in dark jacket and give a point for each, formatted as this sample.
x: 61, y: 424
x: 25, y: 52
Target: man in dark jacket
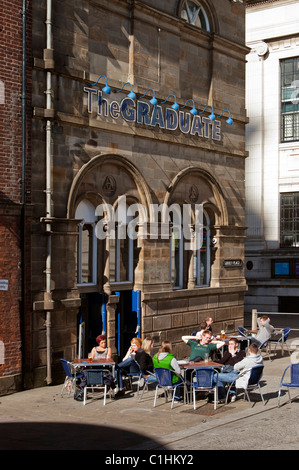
x: 229, y: 359
x: 233, y: 354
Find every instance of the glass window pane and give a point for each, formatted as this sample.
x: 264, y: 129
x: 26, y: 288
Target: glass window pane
x: 289, y: 122
x: 289, y: 219
x: 175, y: 258
x: 112, y: 258
x: 87, y: 254
x: 124, y: 260
x: 194, y: 13
x: 282, y: 269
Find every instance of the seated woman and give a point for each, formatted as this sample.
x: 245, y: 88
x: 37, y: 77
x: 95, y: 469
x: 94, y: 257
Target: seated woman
x: 134, y: 354
x: 164, y: 358
x: 144, y: 359
x: 101, y: 351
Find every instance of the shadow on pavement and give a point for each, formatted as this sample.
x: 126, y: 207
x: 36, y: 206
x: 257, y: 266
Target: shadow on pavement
x: 65, y: 436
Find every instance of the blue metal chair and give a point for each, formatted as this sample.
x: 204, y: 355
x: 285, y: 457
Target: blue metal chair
x: 294, y: 382
x: 242, y: 331
x: 281, y: 341
x: 265, y: 347
x: 165, y: 381
x: 131, y: 375
x: 203, y: 379
x: 256, y: 374
x: 95, y: 381
x: 70, y: 378
x: 147, y: 380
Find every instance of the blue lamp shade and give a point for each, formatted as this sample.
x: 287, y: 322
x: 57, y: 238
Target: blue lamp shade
x: 212, y: 115
x: 131, y: 94
x: 229, y: 120
x: 193, y: 110
x: 153, y: 101
x: 175, y: 105
x: 106, y: 89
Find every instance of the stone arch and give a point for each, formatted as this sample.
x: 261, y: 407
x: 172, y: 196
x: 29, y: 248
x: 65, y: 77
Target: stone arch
x: 96, y: 178
x: 182, y: 190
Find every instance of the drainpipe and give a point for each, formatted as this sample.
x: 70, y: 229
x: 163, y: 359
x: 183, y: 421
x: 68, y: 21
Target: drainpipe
x: 48, y: 60
x: 23, y: 201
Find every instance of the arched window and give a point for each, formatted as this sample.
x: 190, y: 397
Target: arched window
x: 87, y: 245
x: 190, y: 262
x: 194, y: 13
x: 121, y: 246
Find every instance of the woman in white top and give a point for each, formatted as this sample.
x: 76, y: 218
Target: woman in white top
x: 101, y: 351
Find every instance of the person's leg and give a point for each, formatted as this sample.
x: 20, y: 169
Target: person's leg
x: 121, y: 369
x: 178, y: 393
x: 225, y: 378
x: 133, y: 369
x: 254, y: 340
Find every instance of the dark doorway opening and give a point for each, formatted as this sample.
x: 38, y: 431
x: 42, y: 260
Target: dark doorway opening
x: 127, y: 320
x: 91, y: 320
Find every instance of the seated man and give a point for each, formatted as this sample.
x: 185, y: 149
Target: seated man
x: 265, y: 330
x: 253, y: 359
x: 200, y: 348
x: 233, y: 355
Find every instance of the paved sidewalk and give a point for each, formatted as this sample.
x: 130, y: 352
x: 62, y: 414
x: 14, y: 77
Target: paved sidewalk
x: 42, y: 419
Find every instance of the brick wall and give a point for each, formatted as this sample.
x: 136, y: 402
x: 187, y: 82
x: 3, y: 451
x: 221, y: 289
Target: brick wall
x: 11, y: 235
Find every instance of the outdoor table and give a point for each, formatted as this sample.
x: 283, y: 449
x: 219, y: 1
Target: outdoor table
x: 185, y: 366
x: 83, y: 363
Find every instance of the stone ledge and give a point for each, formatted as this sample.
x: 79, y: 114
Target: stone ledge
x: 197, y: 292
x: 10, y: 384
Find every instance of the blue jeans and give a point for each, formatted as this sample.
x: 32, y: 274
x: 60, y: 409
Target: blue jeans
x: 223, y: 378
x: 128, y: 365
x: 254, y: 340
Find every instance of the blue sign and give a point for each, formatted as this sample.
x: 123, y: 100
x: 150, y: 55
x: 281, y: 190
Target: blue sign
x: 142, y: 112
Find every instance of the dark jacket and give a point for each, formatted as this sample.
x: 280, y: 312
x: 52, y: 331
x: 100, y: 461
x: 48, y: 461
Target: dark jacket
x: 230, y: 360
x: 144, y: 360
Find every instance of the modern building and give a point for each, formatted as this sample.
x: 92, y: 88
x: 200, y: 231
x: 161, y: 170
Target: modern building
x: 272, y: 168
x: 136, y: 197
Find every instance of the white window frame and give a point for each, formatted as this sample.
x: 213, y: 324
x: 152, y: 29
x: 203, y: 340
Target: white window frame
x: 197, y: 263
x: 117, y: 255
x: 192, y: 19
x: 86, y: 212
x: 196, y: 259
x: 181, y: 258
x: 94, y: 257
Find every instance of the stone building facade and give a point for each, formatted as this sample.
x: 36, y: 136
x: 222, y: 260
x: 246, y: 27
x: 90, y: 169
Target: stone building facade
x: 96, y: 153
x: 272, y: 169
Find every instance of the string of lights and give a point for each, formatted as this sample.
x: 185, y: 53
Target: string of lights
x: 106, y: 89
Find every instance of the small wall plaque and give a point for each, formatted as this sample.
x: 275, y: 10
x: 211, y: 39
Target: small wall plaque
x: 3, y: 284
x: 232, y: 263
